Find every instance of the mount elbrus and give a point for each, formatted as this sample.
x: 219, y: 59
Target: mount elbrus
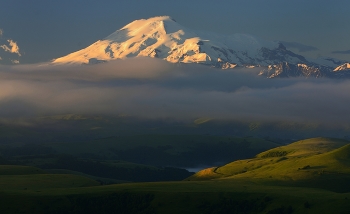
x: 162, y: 37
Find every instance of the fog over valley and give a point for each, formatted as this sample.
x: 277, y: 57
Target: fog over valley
x: 152, y: 88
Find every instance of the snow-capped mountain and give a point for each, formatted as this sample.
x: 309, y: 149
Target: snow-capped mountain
x: 343, y: 67
x: 162, y: 37
x: 284, y: 69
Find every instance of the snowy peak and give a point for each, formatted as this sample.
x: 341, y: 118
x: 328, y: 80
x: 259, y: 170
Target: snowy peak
x: 343, y: 67
x: 162, y: 37
x: 154, y: 27
x: 164, y: 24
x: 154, y: 37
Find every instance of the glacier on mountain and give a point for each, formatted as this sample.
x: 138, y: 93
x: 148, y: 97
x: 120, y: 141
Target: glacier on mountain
x: 343, y: 67
x: 162, y: 37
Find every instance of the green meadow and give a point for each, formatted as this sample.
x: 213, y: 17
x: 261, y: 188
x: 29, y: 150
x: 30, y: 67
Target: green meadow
x: 308, y: 176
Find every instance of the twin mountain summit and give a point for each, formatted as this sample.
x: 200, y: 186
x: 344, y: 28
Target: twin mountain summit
x: 162, y: 37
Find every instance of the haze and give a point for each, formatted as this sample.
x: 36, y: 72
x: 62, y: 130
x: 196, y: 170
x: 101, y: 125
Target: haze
x: 152, y: 88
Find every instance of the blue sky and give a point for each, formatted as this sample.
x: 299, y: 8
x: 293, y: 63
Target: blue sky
x: 49, y: 29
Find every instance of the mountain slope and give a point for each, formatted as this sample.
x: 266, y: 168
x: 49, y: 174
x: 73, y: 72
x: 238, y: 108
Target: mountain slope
x: 345, y: 66
x: 162, y: 37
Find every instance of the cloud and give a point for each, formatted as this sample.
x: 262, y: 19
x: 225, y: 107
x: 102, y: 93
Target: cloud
x: 341, y: 52
x: 12, y: 48
x: 300, y: 47
x: 151, y: 88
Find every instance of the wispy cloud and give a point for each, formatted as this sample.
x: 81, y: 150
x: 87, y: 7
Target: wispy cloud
x: 341, y: 52
x: 299, y: 46
x: 152, y: 88
x: 12, y: 47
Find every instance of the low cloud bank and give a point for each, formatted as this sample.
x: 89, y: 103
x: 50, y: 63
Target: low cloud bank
x: 341, y: 52
x: 299, y: 46
x: 151, y: 88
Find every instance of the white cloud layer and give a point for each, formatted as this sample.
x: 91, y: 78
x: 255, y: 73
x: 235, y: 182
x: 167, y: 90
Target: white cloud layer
x: 152, y: 88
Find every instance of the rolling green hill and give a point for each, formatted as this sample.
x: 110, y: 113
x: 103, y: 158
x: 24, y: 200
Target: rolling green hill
x: 317, y: 162
x: 309, y: 176
x: 14, y: 178
x: 19, y: 170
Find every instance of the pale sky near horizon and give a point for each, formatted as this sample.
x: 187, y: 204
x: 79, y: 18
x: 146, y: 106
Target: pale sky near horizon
x: 50, y: 29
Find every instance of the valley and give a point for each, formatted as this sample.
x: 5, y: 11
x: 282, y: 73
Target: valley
x: 143, y: 174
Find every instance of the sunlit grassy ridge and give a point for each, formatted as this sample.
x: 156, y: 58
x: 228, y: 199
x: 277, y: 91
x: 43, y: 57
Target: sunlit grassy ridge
x: 308, y: 162
x: 306, y: 147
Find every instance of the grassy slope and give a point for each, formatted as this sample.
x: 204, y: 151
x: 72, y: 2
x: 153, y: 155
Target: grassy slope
x: 308, y: 147
x: 178, y: 197
x: 96, y: 178
x: 13, y: 178
x: 19, y: 170
x: 313, y: 162
x: 57, y: 194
